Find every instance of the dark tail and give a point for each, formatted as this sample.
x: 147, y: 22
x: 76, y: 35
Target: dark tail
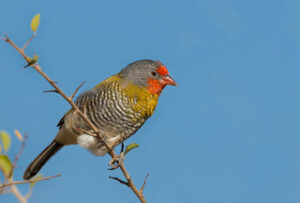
x: 41, y: 159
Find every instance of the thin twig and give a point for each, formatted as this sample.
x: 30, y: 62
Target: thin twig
x: 86, y: 132
x: 31, y: 38
x: 73, y: 95
x: 145, y: 180
x: 28, y: 181
x: 119, y: 180
x: 18, y: 155
x: 110, y: 150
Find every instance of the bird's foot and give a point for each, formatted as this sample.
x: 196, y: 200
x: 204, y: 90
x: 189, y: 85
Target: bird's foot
x: 117, y: 161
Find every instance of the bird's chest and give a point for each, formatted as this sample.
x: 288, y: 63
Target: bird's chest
x: 145, y: 106
x: 141, y: 103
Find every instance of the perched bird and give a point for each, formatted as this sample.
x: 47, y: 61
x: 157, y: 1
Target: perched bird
x: 118, y: 107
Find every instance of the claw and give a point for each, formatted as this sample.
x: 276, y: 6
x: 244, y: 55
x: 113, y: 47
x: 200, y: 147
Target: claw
x: 116, y: 162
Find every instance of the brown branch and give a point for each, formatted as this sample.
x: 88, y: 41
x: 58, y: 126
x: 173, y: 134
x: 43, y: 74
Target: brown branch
x: 73, y: 95
x: 145, y: 180
x: 110, y: 150
x: 28, y: 181
x: 119, y: 180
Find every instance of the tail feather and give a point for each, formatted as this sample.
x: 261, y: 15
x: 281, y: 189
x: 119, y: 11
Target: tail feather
x: 41, y: 159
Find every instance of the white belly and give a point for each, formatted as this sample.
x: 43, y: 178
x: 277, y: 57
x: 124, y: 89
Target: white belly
x: 90, y: 143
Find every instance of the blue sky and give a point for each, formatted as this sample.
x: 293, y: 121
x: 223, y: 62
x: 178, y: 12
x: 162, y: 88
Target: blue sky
x: 228, y: 133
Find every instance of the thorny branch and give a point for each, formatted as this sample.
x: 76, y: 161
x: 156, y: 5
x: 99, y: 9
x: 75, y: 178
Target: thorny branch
x: 111, y: 152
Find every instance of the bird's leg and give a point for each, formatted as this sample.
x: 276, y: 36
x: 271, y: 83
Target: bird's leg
x: 101, y: 142
x: 117, y: 161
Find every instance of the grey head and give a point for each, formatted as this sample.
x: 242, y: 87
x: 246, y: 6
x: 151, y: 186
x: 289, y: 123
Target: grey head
x: 140, y: 71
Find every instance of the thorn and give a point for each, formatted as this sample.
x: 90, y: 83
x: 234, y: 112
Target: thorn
x: 145, y: 180
x: 31, y: 38
x: 50, y: 91
x: 73, y: 95
x: 119, y: 180
x: 6, y: 37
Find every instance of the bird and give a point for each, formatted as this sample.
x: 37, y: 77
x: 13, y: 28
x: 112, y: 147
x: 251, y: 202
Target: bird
x: 118, y: 107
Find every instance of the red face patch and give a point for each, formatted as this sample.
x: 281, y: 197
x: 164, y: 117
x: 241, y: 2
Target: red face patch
x: 162, y: 70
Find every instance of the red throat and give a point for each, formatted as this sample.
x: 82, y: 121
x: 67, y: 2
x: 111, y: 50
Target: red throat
x: 155, y: 86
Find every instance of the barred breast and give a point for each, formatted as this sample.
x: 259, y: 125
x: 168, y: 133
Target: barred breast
x: 114, y: 110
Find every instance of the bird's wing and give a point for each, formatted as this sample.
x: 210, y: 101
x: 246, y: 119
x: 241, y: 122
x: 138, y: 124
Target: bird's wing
x: 80, y: 102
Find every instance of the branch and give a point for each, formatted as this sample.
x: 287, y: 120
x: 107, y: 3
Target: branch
x: 110, y: 149
x: 28, y: 181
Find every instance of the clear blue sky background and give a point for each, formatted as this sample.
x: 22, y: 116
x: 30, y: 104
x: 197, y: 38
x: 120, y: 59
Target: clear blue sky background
x: 229, y: 133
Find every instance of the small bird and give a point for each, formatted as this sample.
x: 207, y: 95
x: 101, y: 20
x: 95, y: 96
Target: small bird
x: 118, y: 107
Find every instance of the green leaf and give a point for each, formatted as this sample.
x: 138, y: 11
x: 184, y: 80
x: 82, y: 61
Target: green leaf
x: 34, y: 178
x: 35, y: 22
x: 32, y: 60
x: 5, y: 138
x: 0, y: 149
x: 130, y: 147
x: 5, y: 165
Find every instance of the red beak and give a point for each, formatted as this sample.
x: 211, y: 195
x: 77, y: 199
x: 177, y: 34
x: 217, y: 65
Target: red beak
x: 167, y: 80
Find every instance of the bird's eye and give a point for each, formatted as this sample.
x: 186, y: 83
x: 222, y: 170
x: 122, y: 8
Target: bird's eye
x: 153, y: 73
